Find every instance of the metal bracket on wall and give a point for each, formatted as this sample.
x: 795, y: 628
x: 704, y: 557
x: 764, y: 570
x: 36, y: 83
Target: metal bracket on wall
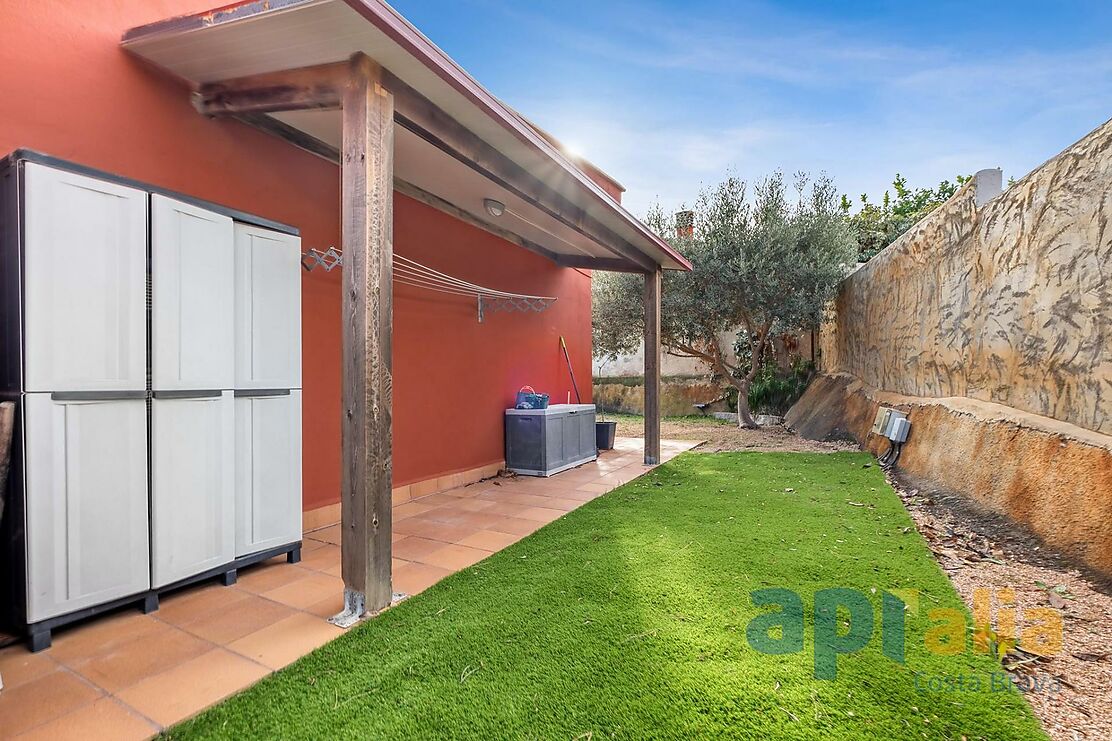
x: 330, y: 259
x: 412, y: 273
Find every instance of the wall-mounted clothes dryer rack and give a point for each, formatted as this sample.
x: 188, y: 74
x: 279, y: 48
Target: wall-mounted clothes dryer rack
x: 412, y: 273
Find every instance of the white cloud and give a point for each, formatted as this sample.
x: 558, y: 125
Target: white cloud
x: 760, y: 91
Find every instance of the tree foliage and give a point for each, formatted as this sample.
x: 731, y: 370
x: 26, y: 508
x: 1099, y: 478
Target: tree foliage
x: 767, y: 261
x: 877, y: 225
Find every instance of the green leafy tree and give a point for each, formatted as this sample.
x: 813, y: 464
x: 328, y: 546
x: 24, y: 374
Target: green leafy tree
x: 878, y: 225
x: 766, y: 262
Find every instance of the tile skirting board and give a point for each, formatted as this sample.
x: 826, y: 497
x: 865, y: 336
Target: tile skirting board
x: 315, y: 519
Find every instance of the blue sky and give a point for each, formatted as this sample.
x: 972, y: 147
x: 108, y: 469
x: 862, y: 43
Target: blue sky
x: 670, y: 96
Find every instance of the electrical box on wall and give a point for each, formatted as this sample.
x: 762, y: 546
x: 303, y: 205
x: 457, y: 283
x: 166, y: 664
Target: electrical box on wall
x: 892, y: 424
x: 880, y: 422
x: 898, y: 430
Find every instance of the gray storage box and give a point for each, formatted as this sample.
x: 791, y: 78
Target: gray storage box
x: 541, y: 442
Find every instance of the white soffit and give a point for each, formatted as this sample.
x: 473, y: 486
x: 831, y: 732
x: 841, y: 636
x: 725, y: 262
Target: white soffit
x: 273, y: 35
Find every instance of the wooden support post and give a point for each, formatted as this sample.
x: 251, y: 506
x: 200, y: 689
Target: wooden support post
x: 367, y: 174
x: 652, y: 366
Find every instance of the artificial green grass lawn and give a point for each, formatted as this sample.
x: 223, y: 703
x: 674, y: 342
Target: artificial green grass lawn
x: 627, y: 618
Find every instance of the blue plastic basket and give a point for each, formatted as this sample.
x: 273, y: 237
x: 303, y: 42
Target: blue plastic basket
x: 527, y: 398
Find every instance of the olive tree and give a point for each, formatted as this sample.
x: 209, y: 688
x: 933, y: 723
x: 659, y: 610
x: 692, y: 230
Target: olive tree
x: 766, y: 261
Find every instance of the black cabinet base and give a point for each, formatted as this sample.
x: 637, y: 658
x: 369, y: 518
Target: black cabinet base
x: 40, y: 634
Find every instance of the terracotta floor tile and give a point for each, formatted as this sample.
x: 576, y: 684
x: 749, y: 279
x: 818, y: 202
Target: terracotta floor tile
x: 507, y: 509
x: 542, y: 514
x: 413, y: 548
x: 42, y: 700
x: 330, y: 534
x: 417, y: 577
x: 250, y: 615
x: 516, y: 526
x: 321, y: 559
x: 193, y: 603
x: 584, y: 496
x: 18, y: 665
x: 329, y: 606
x: 579, y: 477
x: 528, y: 500
x: 475, y: 504
x: 286, y: 641
x: 190, y: 687
x: 499, y: 496
x: 310, y: 544
x: 435, y: 530
x: 434, y: 500
x: 82, y: 640
x: 565, y: 504
x: 463, y: 492
x: 271, y: 575
x: 488, y: 486
x: 595, y: 488
x: 490, y: 540
x: 306, y: 591
x: 411, y: 509
x: 104, y: 719
x: 131, y: 662
x: 473, y: 520
x: 449, y: 514
x: 454, y: 557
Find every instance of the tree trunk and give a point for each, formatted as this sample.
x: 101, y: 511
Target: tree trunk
x: 744, y: 416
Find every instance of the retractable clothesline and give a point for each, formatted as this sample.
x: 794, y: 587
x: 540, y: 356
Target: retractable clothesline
x: 412, y: 273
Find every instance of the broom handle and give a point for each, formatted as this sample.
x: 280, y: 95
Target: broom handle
x: 574, y: 385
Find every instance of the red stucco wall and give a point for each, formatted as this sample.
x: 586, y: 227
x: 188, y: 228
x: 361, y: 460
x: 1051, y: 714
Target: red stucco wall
x: 66, y: 89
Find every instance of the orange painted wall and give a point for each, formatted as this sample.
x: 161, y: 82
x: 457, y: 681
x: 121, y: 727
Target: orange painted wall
x: 66, y: 89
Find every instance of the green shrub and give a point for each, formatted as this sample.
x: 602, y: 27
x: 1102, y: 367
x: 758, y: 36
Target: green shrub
x: 773, y: 391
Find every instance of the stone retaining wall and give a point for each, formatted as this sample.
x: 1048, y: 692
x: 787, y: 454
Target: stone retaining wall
x: 990, y: 323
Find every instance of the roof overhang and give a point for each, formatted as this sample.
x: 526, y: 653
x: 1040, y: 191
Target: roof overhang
x: 456, y: 144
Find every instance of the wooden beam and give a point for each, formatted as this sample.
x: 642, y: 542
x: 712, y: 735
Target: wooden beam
x: 367, y: 187
x: 294, y: 136
x: 651, y: 299
x: 320, y: 87
x: 418, y: 114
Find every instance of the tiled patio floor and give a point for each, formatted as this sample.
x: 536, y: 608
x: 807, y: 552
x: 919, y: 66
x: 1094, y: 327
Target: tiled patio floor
x: 129, y: 675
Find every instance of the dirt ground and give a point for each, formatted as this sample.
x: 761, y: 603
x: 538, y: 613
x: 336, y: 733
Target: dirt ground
x: 1070, y: 689
x: 723, y: 437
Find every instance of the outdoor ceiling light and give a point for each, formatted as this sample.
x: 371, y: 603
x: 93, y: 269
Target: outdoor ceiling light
x: 493, y: 207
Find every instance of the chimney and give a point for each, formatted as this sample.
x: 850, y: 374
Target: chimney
x: 685, y: 224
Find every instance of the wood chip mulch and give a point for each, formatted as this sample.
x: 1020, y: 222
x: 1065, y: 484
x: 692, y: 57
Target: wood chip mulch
x: 1070, y: 692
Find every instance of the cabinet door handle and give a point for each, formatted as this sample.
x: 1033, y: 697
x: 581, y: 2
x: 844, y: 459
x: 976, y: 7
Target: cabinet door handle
x: 248, y: 393
x: 97, y: 395
x: 205, y: 394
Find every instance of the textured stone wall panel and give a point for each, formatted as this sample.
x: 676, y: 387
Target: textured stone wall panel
x: 1009, y: 302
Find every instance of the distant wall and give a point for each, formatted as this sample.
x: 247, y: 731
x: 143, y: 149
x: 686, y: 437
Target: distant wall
x: 633, y: 364
x: 1007, y: 300
x: 677, y: 397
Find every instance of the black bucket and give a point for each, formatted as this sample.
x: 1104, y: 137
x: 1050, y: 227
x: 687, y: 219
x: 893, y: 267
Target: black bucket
x: 604, y: 435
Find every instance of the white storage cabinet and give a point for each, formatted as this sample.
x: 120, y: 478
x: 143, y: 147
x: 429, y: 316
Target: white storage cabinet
x: 153, y: 345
